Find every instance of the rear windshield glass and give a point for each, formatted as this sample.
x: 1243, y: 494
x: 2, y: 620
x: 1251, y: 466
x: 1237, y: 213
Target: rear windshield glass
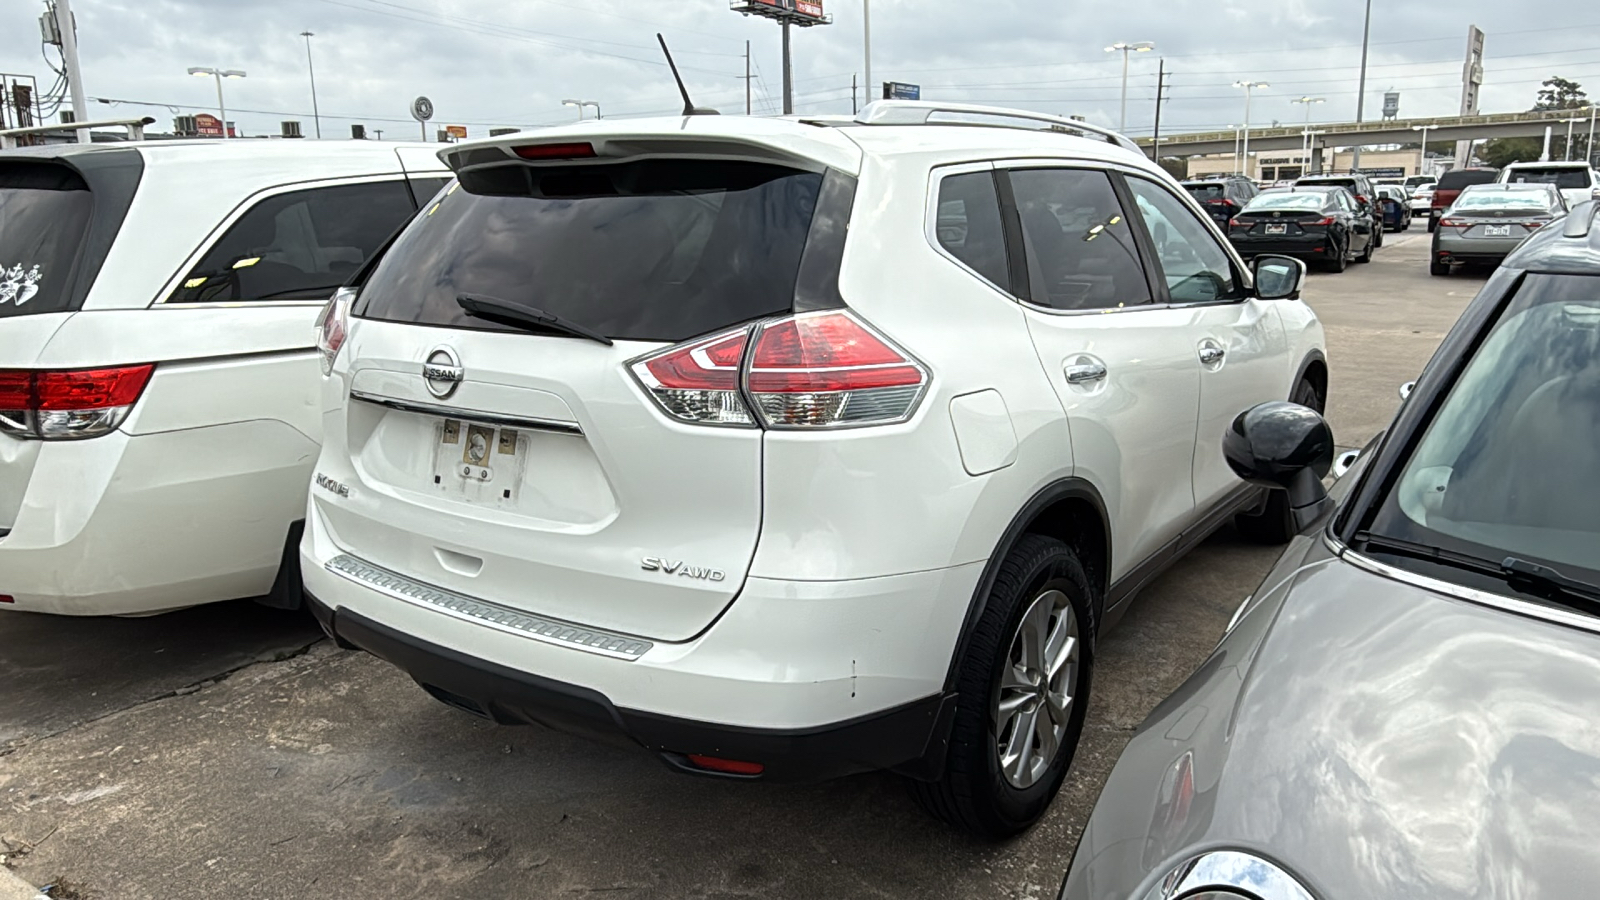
x: 1509, y: 200
x: 1561, y: 178
x: 1312, y: 201
x: 44, y: 212
x: 1334, y: 182
x: 658, y: 250
x: 1455, y: 181
x: 1207, y: 191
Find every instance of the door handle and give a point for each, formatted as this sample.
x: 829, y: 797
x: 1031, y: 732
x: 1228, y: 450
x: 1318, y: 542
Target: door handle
x: 1212, y: 355
x: 1084, y: 373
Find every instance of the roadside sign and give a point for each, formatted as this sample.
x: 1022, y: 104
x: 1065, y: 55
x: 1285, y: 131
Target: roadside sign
x: 422, y: 109
x: 897, y: 90
x: 459, y: 132
x: 207, y: 125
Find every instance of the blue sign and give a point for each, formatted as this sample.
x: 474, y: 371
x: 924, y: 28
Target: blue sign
x: 896, y: 90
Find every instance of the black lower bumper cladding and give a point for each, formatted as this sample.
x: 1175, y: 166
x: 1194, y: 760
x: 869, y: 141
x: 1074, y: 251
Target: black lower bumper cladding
x: 910, y: 739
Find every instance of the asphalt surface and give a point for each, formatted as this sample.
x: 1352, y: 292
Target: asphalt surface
x: 227, y: 752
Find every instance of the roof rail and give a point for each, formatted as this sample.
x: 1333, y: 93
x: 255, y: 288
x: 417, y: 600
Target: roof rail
x: 918, y: 112
x: 8, y: 137
x: 1581, y: 219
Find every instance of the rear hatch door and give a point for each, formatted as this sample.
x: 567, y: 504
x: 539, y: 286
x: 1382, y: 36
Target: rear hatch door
x: 545, y: 479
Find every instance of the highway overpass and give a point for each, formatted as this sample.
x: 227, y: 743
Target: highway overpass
x: 1367, y: 134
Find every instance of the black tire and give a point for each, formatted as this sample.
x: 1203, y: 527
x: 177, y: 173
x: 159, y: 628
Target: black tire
x: 1435, y: 267
x: 974, y: 793
x: 1433, y: 224
x: 1366, y: 255
x: 1340, y: 258
x: 1274, y: 524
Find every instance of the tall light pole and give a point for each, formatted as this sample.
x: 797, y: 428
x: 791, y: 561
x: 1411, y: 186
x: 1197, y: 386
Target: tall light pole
x: 1422, y: 158
x: 1248, y: 87
x: 866, y: 43
x: 578, y: 103
x: 68, y: 28
x: 1361, y: 96
x: 1570, y: 122
x: 1236, y: 130
x: 1127, y: 47
x: 596, y: 107
x: 1305, y: 148
x: 312, y: 71
x: 218, y: 74
x: 1588, y: 148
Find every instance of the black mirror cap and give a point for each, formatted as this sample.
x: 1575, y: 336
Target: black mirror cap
x: 1278, y: 277
x: 1285, y: 446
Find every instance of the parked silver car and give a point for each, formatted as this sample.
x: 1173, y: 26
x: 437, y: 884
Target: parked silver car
x: 1488, y: 221
x: 1408, y: 705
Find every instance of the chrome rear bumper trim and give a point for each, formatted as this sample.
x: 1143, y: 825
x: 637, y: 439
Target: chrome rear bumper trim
x: 476, y: 415
x: 479, y: 612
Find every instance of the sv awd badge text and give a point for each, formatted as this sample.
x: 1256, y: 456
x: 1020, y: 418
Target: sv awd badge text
x: 676, y: 567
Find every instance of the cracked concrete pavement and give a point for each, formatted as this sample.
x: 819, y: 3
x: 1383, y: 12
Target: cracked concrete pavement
x: 226, y: 751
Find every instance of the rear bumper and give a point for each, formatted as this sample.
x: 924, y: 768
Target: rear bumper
x: 132, y: 524
x: 1313, y: 246
x: 1476, y: 250
x: 811, y: 679
x: 891, y: 738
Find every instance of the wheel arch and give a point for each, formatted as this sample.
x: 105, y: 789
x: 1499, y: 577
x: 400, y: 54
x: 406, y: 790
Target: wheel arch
x: 1314, y: 367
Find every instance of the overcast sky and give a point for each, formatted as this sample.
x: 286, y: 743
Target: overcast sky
x: 511, y: 62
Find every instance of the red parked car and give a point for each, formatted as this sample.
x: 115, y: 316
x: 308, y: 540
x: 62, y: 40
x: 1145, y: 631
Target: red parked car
x: 1449, y: 188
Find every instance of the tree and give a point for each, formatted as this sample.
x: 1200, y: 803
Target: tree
x: 1559, y: 93
x: 1177, y: 168
x: 1502, y: 151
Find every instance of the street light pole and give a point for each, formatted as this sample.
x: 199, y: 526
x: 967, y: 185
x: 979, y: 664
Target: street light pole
x: 1361, y: 97
x: 218, y: 74
x: 1248, y: 87
x: 1568, y: 155
x: 1127, y: 47
x: 866, y: 44
x: 1305, y: 147
x: 578, y: 103
x: 1588, y: 147
x: 312, y: 71
x: 1235, y: 130
x: 1422, y: 157
x: 596, y: 108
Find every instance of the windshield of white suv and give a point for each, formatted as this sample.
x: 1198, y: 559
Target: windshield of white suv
x: 44, y: 213
x: 661, y: 249
x: 1561, y: 177
x: 1311, y: 201
x: 1509, y: 465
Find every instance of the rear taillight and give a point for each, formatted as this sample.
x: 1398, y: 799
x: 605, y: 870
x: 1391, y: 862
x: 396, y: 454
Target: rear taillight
x: 69, y: 405
x: 1452, y: 223
x: 333, y: 326
x: 1326, y: 220
x: 813, y: 370
x: 1235, y: 223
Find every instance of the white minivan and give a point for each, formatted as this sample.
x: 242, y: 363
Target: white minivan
x: 159, y: 411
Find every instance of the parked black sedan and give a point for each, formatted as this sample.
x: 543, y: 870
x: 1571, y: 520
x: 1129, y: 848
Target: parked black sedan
x: 1321, y: 224
x: 1408, y: 705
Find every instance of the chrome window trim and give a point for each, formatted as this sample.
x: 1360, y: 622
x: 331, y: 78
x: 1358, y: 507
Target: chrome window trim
x: 528, y: 423
x: 1225, y: 870
x: 1462, y: 592
x: 490, y: 615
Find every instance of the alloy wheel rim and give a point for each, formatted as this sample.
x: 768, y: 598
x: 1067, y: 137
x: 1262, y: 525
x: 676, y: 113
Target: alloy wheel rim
x: 1038, y: 686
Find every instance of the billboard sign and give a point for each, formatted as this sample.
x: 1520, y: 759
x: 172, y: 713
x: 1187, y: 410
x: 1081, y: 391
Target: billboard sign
x: 207, y: 125
x: 899, y: 90
x: 812, y: 8
x: 805, y: 9
x: 458, y: 132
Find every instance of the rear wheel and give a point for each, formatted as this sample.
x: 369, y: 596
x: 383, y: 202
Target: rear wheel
x: 1438, y: 267
x: 1023, y: 684
x: 1274, y: 524
x: 1340, y: 258
x: 1366, y: 255
x: 1433, y: 224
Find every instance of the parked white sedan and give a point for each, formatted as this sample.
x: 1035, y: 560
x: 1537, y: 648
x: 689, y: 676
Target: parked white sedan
x: 158, y: 369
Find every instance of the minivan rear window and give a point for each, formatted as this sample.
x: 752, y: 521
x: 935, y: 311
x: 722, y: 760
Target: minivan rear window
x: 1563, y: 177
x: 44, y: 215
x: 659, y: 249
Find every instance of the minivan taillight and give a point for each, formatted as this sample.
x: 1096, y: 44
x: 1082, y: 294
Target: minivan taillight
x: 813, y: 370
x: 69, y: 405
x: 333, y: 325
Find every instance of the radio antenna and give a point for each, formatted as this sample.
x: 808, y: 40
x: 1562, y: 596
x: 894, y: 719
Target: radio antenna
x: 689, y: 109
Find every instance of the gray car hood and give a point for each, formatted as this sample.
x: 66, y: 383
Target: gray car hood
x: 1386, y: 742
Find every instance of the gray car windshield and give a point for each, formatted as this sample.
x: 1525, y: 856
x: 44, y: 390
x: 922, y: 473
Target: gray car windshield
x: 1510, y: 463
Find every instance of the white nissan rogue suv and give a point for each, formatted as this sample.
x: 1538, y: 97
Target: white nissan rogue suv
x: 158, y: 366
x: 792, y: 448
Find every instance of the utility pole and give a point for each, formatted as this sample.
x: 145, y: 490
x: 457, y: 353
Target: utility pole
x: 788, y: 74
x: 853, y: 108
x: 1361, y: 97
x: 1161, y: 83
x: 315, y: 116
x: 747, y: 107
x: 69, y: 53
x: 378, y: 132
x: 866, y: 47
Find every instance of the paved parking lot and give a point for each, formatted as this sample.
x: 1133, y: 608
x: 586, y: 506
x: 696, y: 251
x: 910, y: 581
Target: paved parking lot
x: 227, y: 752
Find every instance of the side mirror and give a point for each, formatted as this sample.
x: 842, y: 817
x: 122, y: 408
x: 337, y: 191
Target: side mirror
x: 1345, y: 462
x: 1278, y: 277
x: 1287, y: 447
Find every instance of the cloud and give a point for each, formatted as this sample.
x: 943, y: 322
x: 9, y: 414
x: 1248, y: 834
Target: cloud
x: 512, y: 63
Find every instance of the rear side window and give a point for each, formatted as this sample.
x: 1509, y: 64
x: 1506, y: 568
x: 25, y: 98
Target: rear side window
x: 1459, y: 178
x: 300, y: 245
x: 1081, y: 251
x: 657, y: 250
x: 969, y: 224
x: 44, y: 215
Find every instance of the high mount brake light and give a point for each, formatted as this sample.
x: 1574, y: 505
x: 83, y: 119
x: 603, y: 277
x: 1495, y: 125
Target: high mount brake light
x: 333, y: 326
x: 813, y: 370
x: 69, y: 405
x: 575, y: 150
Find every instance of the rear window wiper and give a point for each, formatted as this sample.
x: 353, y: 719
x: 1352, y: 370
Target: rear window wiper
x: 525, y: 317
x: 1521, y: 574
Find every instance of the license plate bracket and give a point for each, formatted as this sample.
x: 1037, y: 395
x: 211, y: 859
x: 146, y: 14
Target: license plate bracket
x: 479, y: 462
x: 1277, y: 229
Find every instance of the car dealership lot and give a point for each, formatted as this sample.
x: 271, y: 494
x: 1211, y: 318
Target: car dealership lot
x: 163, y: 757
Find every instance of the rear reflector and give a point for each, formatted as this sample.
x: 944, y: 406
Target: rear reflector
x: 7, y: 598
x: 729, y: 766
x: 69, y: 405
x: 555, y: 151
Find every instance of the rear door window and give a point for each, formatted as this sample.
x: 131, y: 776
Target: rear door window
x: 1081, y: 248
x: 44, y: 215
x: 969, y: 228
x: 300, y: 245
x: 657, y: 250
